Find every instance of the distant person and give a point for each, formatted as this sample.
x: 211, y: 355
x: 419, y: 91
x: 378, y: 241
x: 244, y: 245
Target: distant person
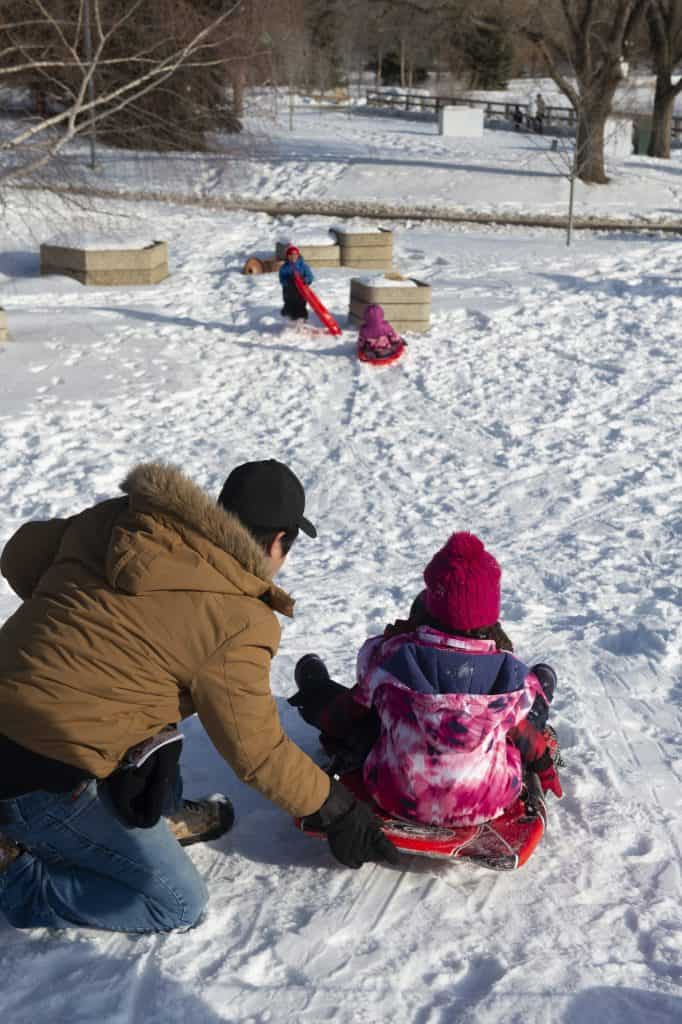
x: 136, y: 613
x: 294, y: 307
x: 539, y: 113
x: 443, y: 717
x: 518, y: 118
x: 376, y: 338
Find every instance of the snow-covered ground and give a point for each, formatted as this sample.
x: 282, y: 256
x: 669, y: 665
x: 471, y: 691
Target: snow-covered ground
x: 542, y: 411
x: 361, y: 156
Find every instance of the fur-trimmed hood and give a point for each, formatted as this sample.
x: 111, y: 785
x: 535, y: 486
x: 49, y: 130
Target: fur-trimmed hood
x: 137, y: 612
x: 164, y: 492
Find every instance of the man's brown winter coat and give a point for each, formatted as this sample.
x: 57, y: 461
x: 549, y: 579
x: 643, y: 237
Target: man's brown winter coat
x: 136, y: 613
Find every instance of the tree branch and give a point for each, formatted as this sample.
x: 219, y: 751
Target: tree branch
x: 136, y: 88
x: 551, y: 59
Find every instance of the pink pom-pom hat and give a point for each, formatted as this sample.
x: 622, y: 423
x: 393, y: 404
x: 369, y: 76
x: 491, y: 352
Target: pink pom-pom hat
x: 463, y: 584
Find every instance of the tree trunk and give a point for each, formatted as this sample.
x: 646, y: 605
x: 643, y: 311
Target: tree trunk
x: 238, y: 92
x: 590, y: 145
x: 595, y: 38
x: 403, y: 48
x: 380, y: 58
x: 39, y: 94
x: 662, y: 123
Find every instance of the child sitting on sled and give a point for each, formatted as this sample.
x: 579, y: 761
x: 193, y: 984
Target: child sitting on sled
x: 377, y: 339
x: 444, y: 717
x: 294, y: 304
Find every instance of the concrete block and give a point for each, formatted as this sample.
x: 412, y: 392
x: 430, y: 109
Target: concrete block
x: 408, y: 308
x: 400, y: 325
x: 462, y: 122
x: 405, y: 310
x: 382, y: 238
x: 360, y: 263
x: 316, y: 256
x: 107, y: 266
x: 391, y: 294
x: 371, y: 250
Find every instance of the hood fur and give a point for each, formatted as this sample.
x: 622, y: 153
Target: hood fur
x: 171, y: 492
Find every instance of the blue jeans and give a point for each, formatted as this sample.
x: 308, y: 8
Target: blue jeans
x: 83, y: 866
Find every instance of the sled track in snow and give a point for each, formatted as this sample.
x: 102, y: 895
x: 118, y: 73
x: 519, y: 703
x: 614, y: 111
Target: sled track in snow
x: 343, y: 208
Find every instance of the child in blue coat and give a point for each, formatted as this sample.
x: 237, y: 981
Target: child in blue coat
x: 294, y: 304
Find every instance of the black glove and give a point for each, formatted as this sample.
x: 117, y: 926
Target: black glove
x: 139, y: 787
x: 352, y: 830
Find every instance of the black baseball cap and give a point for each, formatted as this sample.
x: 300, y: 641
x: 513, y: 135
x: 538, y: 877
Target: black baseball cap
x: 267, y: 495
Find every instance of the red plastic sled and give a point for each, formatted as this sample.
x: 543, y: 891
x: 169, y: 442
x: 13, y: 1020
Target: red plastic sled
x: 387, y: 360
x: 504, y: 844
x: 311, y: 298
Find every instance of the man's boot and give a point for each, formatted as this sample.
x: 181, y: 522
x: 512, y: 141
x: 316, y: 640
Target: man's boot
x: 200, y: 820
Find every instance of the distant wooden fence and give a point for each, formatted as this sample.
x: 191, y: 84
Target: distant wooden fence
x: 416, y: 102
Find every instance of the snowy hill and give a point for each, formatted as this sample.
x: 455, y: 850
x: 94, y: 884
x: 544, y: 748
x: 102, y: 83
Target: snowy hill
x: 541, y: 411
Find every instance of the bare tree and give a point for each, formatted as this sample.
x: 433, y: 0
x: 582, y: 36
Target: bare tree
x: 379, y: 31
x: 412, y: 30
x: 664, y: 21
x: 583, y: 43
x: 45, y: 44
x: 248, y: 50
x: 324, y: 23
x: 418, y: 26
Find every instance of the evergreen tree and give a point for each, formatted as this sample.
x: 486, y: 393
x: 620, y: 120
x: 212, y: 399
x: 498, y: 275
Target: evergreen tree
x: 488, y: 56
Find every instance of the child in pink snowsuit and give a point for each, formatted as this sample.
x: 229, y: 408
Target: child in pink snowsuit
x: 376, y: 337
x: 443, y: 717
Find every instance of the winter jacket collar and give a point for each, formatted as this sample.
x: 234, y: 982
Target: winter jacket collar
x: 172, y: 499
x: 473, y: 645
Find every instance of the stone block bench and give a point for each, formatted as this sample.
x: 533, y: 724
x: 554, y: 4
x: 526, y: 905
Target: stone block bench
x: 146, y: 265
x: 366, y: 250
x: 317, y: 256
x: 406, y: 302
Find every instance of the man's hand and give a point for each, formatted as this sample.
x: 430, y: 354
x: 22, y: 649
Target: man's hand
x: 352, y: 830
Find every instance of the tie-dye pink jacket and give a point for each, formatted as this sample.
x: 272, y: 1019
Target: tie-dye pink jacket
x: 445, y: 705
